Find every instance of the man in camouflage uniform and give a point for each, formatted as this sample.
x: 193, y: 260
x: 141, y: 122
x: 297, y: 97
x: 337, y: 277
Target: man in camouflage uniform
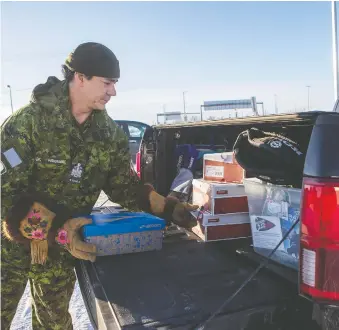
x: 58, y: 153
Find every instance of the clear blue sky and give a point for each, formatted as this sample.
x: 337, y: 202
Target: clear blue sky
x: 213, y: 50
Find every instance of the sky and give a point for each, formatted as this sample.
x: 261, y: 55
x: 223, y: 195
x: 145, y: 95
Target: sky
x: 211, y: 50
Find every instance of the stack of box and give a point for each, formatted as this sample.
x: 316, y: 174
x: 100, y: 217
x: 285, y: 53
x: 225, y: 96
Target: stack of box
x: 222, y: 196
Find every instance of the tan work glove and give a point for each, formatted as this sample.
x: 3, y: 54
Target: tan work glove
x: 182, y: 215
x: 172, y: 210
x: 70, y: 238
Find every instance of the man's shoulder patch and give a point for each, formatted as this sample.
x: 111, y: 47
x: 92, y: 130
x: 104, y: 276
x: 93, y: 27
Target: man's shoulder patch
x: 12, y: 157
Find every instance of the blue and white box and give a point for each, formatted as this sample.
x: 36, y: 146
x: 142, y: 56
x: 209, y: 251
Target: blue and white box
x: 124, y: 232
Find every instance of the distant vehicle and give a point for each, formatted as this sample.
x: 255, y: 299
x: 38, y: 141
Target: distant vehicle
x: 135, y: 132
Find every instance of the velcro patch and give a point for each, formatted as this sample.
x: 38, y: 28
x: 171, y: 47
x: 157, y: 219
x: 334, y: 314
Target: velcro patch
x: 12, y: 157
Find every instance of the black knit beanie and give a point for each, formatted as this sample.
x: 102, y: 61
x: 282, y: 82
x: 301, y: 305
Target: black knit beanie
x: 94, y: 59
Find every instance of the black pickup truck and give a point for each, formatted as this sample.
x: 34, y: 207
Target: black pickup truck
x: 182, y: 285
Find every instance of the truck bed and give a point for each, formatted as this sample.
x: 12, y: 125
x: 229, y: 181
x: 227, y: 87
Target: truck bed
x: 182, y: 284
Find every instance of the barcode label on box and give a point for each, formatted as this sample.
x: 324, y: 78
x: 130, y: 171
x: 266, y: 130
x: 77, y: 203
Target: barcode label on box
x: 308, y: 268
x: 214, y: 171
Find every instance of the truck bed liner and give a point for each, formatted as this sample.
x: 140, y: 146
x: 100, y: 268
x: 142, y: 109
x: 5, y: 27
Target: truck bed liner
x: 180, y: 286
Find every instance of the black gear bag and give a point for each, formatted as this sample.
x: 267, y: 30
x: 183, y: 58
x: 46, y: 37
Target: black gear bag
x: 270, y: 157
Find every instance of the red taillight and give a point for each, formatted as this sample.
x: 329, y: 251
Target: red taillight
x: 137, y: 163
x: 319, y: 250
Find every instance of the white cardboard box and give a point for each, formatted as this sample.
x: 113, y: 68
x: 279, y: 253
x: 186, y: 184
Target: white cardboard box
x: 222, y: 227
x: 208, y: 219
x: 219, y: 198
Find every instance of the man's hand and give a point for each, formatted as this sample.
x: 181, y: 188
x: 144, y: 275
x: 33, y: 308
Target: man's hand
x: 172, y: 210
x: 69, y: 237
x: 182, y: 215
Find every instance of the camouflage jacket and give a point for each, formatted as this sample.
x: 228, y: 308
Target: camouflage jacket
x: 45, y: 150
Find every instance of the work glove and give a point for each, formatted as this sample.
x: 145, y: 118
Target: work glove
x: 69, y: 237
x: 172, y: 210
x: 182, y: 215
x: 38, y: 225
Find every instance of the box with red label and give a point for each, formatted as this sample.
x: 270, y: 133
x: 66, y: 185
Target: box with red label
x: 222, y: 167
x: 219, y: 198
x: 221, y: 227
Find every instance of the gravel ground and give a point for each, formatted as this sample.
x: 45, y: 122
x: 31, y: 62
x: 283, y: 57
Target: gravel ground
x: 23, y: 317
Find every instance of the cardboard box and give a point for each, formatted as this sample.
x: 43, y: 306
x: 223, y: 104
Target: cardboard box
x: 222, y: 167
x: 208, y: 219
x: 125, y: 232
x: 222, y: 227
x: 219, y: 198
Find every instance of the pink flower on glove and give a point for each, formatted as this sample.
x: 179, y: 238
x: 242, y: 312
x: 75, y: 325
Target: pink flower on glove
x: 62, y: 237
x: 38, y: 234
x: 34, y: 217
x: 34, y: 214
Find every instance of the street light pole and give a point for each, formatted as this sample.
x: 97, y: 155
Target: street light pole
x: 183, y: 96
x: 335, y: 50
x: 308, y: 98
x: 10, y: 95
x: 275, y: 104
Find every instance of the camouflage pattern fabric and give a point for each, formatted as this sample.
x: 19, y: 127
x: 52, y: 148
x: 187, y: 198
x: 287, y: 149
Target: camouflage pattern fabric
x: 51, y: 286
x: 44, y: 148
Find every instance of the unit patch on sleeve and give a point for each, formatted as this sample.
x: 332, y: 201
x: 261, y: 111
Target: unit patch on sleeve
x: 12, y: 157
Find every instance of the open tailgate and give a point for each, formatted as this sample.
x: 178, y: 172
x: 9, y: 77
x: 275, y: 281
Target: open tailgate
x: 179, y: 286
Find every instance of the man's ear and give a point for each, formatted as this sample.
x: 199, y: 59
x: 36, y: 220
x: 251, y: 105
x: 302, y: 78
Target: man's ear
x: 79, y: 78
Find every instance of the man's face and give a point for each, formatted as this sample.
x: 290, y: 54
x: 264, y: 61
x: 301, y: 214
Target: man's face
x: 97, y: 91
